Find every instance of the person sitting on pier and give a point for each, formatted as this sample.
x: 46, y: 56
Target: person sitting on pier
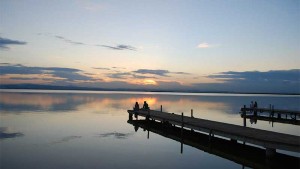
x: 255, y: 107
x: 136, y: 106
x: 255, y: 104
x: 145, y: 106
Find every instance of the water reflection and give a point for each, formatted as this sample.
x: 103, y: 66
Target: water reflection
x: 5, y: 133
x: 94, y: 124
x: 66, y: 139
x: 240, y: 153
x: 116, y: 135
x: 22, y: 102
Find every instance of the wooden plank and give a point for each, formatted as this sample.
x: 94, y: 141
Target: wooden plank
x: 259, y: 137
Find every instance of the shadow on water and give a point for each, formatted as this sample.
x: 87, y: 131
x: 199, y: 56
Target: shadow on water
x: 245, y: 155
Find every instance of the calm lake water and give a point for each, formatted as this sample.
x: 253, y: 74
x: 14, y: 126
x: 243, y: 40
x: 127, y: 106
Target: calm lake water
x: 71, y: 129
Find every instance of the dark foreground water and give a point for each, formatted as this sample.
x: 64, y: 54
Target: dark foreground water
x: 65, y: 129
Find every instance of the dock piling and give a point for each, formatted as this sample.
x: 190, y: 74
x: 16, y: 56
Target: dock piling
x: 160, y: 108
x: 192, y: 113
x: 244, y: 116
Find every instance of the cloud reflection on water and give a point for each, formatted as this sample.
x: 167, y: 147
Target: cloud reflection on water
x: 5, y: 133
x: 108, y: 103
x: 116, y: 135
x: 66, y: 139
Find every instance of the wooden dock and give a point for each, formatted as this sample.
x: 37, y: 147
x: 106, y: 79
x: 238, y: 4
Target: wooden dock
x: 267, y: 139
x: 292, y: 114
x: 271, y: 119
x: 245, y: 155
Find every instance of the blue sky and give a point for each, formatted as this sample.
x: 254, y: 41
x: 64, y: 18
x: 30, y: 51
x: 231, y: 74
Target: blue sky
x: 152, y: 44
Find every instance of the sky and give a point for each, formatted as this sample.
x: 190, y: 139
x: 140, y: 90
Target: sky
x: 232, y: 45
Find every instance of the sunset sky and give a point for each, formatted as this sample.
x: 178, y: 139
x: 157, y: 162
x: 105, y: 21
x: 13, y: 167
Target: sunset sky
x: 232, y: 45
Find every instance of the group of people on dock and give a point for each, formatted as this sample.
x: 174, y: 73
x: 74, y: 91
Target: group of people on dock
x: 145, y: 106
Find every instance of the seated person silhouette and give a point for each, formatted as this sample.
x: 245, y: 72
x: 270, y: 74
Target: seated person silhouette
x: 136, y: 106
x: 145, y: 106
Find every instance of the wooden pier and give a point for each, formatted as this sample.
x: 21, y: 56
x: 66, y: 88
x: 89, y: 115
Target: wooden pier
x: 292, y: 114
x: 242, y: 154
x: 271, y: 115
x: 267, y: 139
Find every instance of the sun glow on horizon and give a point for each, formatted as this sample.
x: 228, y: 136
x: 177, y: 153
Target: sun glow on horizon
x: 149, y: 82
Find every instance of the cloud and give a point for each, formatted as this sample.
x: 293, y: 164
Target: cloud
x: 204, y: 45
x: 64, y: 39
x: 4, y: 43
x: 125, y: 75
x: 118, y: 67
x: 90, y: 6
x: 120, y: 47
x: 69, y: 41
x: 69, y: 74
x: 269, y: 76
x: 181, y: 73
x: 273, y: 81
x: 101, y: 68
x: 122, y: 75
x: 158, y: 72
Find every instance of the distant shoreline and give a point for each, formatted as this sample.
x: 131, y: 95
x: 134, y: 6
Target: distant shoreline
x: 76, y: 88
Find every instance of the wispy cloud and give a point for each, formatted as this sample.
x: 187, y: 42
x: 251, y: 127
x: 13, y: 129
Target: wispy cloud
x: 120, y: 47
x: 181, y: 73
x: 101, y: 68
x: 122, y: 75
x: 272, y: 75
x: 158, y: 72
x: 64, y: 39
x: 90, y: 6
x: 69, y: 41
x: 4, y: 43
x: 204, y: 45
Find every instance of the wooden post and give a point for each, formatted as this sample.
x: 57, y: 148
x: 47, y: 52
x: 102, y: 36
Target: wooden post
x: 130, y: 116
x: 181, y: 146
x: 181, y: 120
x: 148, y: 135
x: 192, y: 113
x: 244, y: 115
x: 160, y: 108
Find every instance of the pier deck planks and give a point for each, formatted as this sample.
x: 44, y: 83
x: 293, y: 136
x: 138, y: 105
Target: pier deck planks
x: 267, y: 139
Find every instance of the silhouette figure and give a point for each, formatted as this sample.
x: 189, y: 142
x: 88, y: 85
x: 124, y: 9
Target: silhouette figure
x: 145, y: 106
x: 136, y: 106
x: 255, y: 104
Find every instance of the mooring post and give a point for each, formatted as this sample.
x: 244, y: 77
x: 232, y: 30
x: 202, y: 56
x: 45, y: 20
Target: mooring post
x: 148, y: 115
x: 160, y: 108
x: 192, y: 113
x: 244, y: 116
x: 181, y: 121
x: 148, y: 135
